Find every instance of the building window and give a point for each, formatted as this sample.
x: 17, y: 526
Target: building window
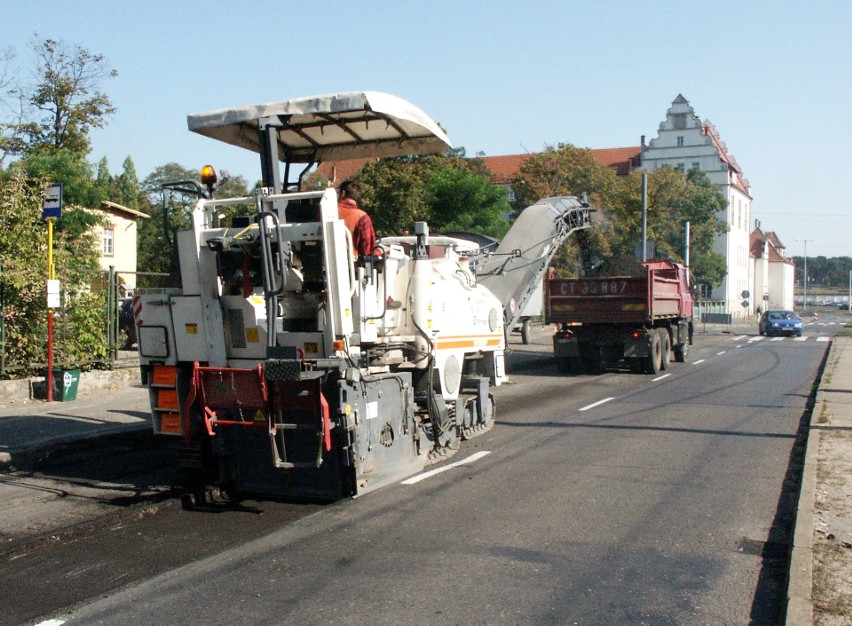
x: 681, y: 167
x: 109, y: 241
x: 680, y: 140
x: 696, y: 165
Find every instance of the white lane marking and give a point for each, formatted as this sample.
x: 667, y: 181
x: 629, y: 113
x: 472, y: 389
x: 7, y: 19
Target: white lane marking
x: 759, y: 338
x: 598, y: 403
x: 429, y: 474
x: 739, y: 345
x: 777, y: 339
x: 722, y: 352
x: 823, y: 338
x: 698, y: 361
x: 653, y: 380
x: 51, y: 622
x: 800, y: 339
x: 740, y: 337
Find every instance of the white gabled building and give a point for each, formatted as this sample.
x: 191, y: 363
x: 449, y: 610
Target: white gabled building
x: 685, y: 142
x: 772, y: 269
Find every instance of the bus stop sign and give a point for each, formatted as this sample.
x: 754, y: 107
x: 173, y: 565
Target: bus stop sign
x: 51, y: 204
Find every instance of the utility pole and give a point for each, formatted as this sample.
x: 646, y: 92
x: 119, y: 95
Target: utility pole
x: 644, y: 216
x: 805, y: 277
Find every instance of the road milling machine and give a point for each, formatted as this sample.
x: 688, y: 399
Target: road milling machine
x: 288, y: 366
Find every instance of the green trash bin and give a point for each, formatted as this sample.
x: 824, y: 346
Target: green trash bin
x: 65, y: 382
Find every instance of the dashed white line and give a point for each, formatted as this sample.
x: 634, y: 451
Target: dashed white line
x: 598, y: 403
x: 740, y: 337
x: 800, y: 339
x: 429, y: 474
x: 653, y: 380
x: 777, y: 339
x: 698, y: 361
x: 51, y: 622
x: 721, y: 353
x: 823, y: 338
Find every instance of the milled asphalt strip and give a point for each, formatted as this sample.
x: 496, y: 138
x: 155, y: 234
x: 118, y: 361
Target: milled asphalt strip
x: 598, y: 403
x: 429, y: 474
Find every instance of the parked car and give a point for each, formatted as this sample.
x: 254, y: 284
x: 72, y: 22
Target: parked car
x: 780, y: 322
x: 126, y: 324
x: 843, y: 306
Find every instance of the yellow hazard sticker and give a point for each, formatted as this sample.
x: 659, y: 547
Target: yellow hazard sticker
x: 347, y: 409
x: 259, y: 416
x: 252, y: 335
x: 311, y: 348
x: 191, y: 329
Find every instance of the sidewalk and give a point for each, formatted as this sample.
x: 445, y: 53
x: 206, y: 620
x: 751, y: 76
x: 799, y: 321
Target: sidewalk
x: 107, y: 403
x: 820, y: 586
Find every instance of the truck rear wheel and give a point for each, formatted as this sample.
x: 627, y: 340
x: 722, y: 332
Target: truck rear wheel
x: 526, y: 331
x: 654, y: 360
x: 665, y: 348
x: 681, y: 351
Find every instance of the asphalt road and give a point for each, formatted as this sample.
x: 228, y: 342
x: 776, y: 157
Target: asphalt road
x: 610, y: 499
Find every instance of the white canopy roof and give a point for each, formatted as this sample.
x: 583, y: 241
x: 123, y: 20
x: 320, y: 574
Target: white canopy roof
x: 330, y: 127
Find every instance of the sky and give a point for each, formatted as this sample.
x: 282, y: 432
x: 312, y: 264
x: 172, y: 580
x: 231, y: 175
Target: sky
x: 501, y: 78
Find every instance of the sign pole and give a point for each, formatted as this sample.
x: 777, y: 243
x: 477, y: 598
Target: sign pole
x: 51, y: 275
x: 51, y: 209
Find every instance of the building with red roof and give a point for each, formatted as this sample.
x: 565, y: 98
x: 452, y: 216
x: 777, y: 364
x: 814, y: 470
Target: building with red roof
x: 772, y: 270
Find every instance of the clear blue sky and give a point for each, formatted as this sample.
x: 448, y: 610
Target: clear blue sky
x: 501, y: 77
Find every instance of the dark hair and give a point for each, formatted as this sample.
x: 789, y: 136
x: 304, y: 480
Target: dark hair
x: 350, y: 189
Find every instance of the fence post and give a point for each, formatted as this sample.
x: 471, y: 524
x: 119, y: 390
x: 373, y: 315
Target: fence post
x: 112, y: 315
x: 2, y: 321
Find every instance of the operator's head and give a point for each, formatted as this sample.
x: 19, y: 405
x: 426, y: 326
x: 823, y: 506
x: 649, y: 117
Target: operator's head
x: 350, y: 189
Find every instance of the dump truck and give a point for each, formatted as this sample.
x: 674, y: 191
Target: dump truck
x: 639, y: 321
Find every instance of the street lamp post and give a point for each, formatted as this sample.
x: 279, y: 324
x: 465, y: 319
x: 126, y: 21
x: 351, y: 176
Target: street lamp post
x: 805, y: 276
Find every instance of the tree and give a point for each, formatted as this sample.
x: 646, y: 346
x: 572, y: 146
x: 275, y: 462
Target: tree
x: 674, y: 198
x: 64, y: 103
x: 23, y: 250
x: 465, y: 201
x: 562, y: 171
x: 172, y: 211
x: 566, y: 170
x: 448, y: 192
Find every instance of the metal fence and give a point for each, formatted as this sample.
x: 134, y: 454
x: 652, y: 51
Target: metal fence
x: 701, y: 307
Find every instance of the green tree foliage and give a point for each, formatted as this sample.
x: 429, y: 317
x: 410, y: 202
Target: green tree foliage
x: 465, y: 201
x: 64, y: 103
x: 563, y: 171
x: 674, y: 198
x: 827, y: 272
x: 172, y: 211
x: 566, y: 170
x: 23, y: 248
x: 448, y: 192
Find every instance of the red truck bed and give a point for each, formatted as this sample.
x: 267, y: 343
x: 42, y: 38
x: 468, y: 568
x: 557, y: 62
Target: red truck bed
x: 662, y: 293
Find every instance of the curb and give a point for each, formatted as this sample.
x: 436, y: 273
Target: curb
x: 800, y: 606
x: 26, y: 389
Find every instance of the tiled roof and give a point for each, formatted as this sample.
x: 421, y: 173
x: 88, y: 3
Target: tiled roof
x: 756, y: 240
x: 503, y: 167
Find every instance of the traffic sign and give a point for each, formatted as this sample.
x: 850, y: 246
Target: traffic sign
x: 51, y: 203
